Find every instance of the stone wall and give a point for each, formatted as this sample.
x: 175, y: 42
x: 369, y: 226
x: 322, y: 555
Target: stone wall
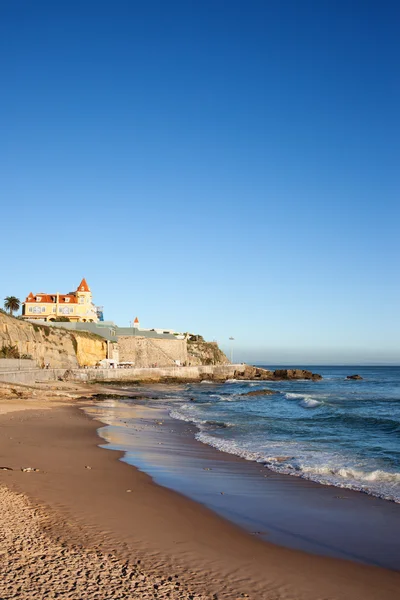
x: 199, y: 373
x: 32, y: 376
x: 17, y: 364
x: 59, y: 348
x: 145, y: 352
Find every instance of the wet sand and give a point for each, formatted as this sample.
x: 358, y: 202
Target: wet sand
x: 281, y: 509
x: 82, y: 506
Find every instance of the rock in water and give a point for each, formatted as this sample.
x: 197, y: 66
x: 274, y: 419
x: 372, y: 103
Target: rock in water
x: 353, y: 377
x: 257, y: 373
x: 260, y: 393
x: 295, y: 374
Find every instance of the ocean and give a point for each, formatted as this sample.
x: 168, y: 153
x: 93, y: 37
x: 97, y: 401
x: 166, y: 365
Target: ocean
x: 338, y: 432
x: 343, y: 434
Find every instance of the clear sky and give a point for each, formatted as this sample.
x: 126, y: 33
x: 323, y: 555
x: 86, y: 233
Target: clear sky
x: 224, y: 167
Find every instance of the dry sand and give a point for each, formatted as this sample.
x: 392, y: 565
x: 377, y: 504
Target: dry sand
x: 33, y: 565
x: 75, y: 532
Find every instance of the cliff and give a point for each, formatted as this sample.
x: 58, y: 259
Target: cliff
x: 205, y: 353
x: 58, y: 347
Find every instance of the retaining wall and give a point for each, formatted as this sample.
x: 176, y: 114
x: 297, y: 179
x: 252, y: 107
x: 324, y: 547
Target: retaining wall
x: 147, y: 374
x: 144, y: 352
x: 31, y: 376
x: 17, y: 364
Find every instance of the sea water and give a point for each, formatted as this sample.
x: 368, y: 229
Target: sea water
x: 336, y: 431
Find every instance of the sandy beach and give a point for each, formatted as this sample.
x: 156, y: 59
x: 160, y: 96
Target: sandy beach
x: 86, y: 525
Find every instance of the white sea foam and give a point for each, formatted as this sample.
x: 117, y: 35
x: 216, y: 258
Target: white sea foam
x: 241, y: 381
x: 193, y: 417
x: 306, y: 401
x: 326, y: 463
x: 378, y: 482
x: 310, y: 402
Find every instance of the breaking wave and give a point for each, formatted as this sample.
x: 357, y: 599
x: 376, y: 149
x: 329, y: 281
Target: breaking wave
x: 379, y: 483
x: 305, y: 400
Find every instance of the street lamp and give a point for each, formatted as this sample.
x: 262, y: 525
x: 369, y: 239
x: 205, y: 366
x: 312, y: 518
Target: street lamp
x: 231, y: 339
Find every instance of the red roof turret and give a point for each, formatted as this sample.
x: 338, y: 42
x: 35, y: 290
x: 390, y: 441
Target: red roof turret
x: 83, y: 286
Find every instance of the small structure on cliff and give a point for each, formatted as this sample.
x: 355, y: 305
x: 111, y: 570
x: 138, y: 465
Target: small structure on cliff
x: 77, y: 306
x: 164, y: 331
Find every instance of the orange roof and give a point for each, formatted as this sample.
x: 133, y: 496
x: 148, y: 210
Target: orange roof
x: 136, y: 320
x: 52, y: 298
x: 72, y: 298
x: 83, y: 286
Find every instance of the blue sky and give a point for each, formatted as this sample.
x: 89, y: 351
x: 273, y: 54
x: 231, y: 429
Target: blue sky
x: 228, y: 168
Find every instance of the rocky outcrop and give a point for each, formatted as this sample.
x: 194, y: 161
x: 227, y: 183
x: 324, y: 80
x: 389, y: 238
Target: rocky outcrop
x: 295, y: 374
x: 50, y: 345
x: 277, y: 375
x: 205, y: 353
x: 260, y: 393
x: 353, y: 377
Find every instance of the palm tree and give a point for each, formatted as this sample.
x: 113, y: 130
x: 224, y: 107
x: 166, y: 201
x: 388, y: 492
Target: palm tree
x: 11, y: 303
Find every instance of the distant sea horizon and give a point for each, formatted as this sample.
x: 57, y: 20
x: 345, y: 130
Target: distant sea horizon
x: 301, y: 365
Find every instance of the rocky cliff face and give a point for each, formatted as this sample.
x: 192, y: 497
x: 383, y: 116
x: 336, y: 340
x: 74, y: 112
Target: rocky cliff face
x: 89, y: 348
x: 205, y: 353
x: 58, y: 347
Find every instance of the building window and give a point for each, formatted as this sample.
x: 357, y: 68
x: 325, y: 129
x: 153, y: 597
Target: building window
x: 43, y: 309
x: 38, y: 298
x: 30, y: 309
x: 81, y: 300
x: 66, y: 299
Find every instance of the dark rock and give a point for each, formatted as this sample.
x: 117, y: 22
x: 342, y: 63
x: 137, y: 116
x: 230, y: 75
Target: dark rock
x: 256, y: 373
x: 353, y: 377
x: 295, y: 374
x: 260, y: 393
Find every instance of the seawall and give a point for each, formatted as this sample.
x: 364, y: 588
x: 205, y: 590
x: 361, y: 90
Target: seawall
x: 194, y: 373
x: 28, y: 375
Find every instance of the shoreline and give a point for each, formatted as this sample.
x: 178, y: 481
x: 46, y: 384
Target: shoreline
x: 165, y: 529
x: 278, y: 508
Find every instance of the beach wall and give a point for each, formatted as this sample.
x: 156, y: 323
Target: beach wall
x: 50, y: 345
x: 31, y: 376
x: 145, y: 352
x: 196, y: 373
x: 16, y: 364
